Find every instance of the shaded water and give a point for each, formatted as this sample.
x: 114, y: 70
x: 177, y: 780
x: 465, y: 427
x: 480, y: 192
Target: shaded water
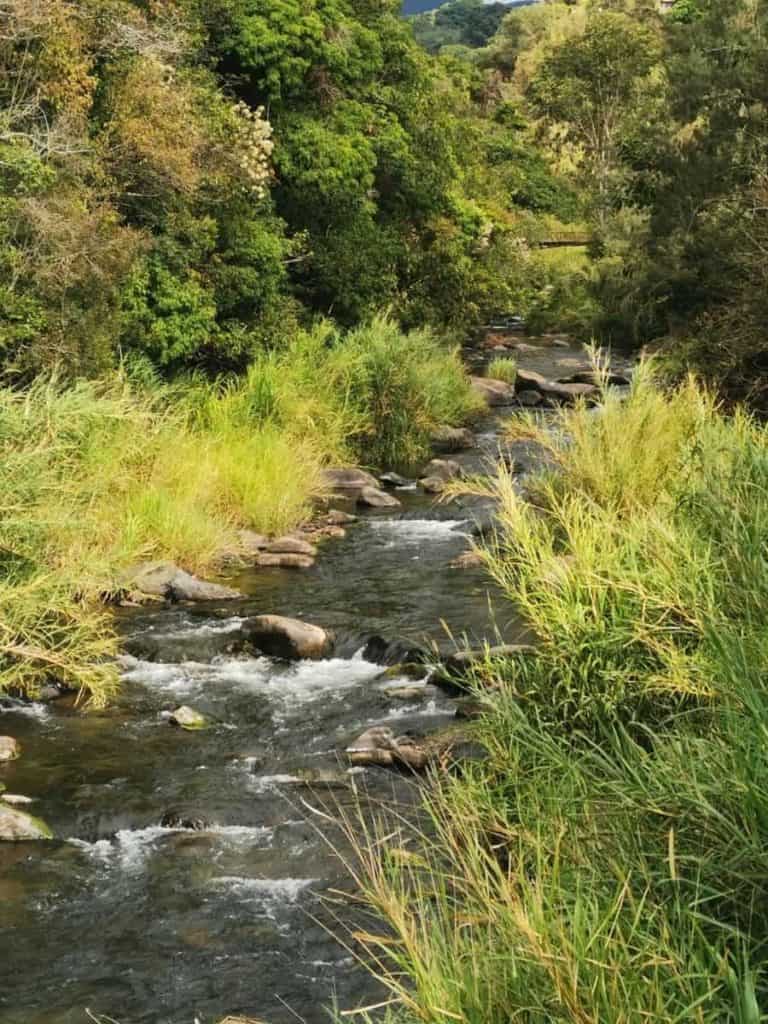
x: 147, y: 923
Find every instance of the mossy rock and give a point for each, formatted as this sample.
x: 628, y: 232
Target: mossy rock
x: 189, y: 719
x: 18, y: 826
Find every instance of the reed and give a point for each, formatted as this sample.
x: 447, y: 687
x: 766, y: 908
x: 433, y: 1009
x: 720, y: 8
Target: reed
x: 607, y: 861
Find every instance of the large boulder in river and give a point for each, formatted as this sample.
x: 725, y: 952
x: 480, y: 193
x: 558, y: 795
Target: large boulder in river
x: 290, y: 639
x: 493, y: 392
x: 18, y: 826
x: 452, y: 439
x: 10, y: 748
x: 166, y: 580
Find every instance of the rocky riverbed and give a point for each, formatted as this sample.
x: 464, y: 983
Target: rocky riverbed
x: 189, y: 867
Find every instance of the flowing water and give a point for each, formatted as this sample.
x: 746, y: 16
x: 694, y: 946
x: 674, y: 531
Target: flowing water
x: 142, y: 922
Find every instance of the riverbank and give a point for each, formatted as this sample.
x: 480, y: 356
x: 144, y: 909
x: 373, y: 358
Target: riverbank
x: 607, y: 860
x: 101, y: 477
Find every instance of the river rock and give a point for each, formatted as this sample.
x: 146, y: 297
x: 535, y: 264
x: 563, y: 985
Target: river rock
x: 379, y: 746
x: 335, y: 517
x: 493, y: 392
x: 287, y: 560
x: 291, y: 546
x: 188, y: 718
x: 290, y: 639
x: 452, y: 439
x: 406, y: 692
x: 17, y: 826
x: 349, y: 481
x: 529, y: 398
x: 596, y: 378
x: 399, y: 653
x: 373, y: 497
x: 16, y: 799
x: 10, y: 748
x: 166, y: 580
x: 457, y: 667
x: 570, y: 392
x: 394, y: 480
x: 432, y: 484
x: 529, y: 380
x: 251, y: 543
x: 468, y: 560
x: 445, y: 469
x: 176, y: 817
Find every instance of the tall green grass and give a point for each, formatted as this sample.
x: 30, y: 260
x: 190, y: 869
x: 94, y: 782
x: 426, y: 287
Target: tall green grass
x: 607, y: 862
x: 97, y: 476
x: 502, y: 368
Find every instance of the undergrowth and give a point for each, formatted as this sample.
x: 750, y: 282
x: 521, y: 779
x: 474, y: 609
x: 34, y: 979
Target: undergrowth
x: 606, y: 863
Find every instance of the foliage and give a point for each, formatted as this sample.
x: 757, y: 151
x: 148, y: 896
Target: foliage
x: 469, y: 23
x: 101, y: 475
x: 607, y: 859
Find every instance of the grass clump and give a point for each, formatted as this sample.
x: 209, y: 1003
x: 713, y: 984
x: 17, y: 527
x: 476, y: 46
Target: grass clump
x: 98, y: 476
x: 607, y: 862
x: 502, y: 368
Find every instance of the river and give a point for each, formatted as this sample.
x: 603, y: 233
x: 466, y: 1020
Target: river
x: 130, y: 918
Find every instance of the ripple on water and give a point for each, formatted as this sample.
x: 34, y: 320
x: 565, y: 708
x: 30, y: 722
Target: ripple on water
x: 416, y: 531
x: 288, y: 685
x: 130, y: 849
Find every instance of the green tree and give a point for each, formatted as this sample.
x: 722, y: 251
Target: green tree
x: 593, y: 86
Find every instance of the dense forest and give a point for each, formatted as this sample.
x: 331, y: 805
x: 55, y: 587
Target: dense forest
x: 251, y: 246
x: 183, y: 182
